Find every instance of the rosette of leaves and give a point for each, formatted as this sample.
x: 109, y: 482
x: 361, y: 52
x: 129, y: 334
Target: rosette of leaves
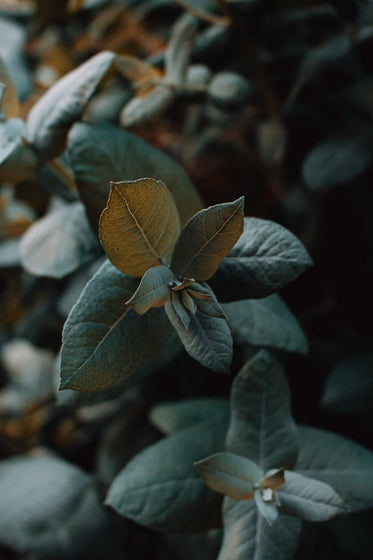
x: 119, y: 323
x: 274, y: 474
x: 140, y: 232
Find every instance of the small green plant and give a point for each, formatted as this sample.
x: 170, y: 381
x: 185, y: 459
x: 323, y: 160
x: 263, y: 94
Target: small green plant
x: 123, y: 245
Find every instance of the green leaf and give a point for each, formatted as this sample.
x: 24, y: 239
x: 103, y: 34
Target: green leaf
x: 205, y: 300
x: 160, y: 488
x: 169, y: 351
x: 105, y: 341
x: 100, y: 154
x: 247, y: 534
x: 338, y: 160
x: 267, y: 509
x: 139, y: 226
x: 265, y: 322
x: 172, y: 417
x: 141, y: 109
x: 59, y: 243
x: 230, y: 474
x: 349, y: 386
x: 207, y: 339
x: 153, y: 290
x: 266, y: 257
x: 17, y: 160
x: 180, y: 48
x: 206, y: 239
x: 309, y: 499
x: 339, y: 462
x: 52, y: 510
x: 177, y: 308
x: 262, y: 427
x: 56, y: 111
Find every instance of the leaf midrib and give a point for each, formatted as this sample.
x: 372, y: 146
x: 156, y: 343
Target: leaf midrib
x: 196, y: 255
x: 152, y: 250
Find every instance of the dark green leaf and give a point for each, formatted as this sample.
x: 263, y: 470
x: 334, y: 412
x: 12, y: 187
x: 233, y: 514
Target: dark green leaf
x: 337, y: 160
x: 206, y: 239
x: 59, y: 243
x: 266, y: 257
x: 172, y: 417
x: 205, y: 300
x: 262, y: 427
x: 207, y: 339
x: 349, y: 386
x: 266, y: 322
x: 52, y: 510
x: 162, y: 490
x: 105, y: 341
x: 51, y: 117
x: 100, y: 154
x: 309, y: 499
x: 153, y: 290
x: 247, y: 534
x: 133, y: 240
x: 339, y: 462
x: 170, y: 350
x: 176, y: 307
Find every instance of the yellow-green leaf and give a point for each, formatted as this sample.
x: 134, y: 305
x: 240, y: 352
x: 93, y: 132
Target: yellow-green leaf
x: 139, y: 226
x: 9, y: 100
x: 206, y: 239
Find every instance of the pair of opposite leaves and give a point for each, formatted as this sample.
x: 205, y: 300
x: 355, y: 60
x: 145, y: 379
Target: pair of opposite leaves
x: 140, y: 232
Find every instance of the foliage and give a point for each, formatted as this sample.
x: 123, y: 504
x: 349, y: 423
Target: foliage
x: 167, y: 169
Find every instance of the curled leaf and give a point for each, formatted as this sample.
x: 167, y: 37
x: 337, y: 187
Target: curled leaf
x: 153, y: 290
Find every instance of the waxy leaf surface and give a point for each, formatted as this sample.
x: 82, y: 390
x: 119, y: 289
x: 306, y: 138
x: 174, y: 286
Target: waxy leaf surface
x: 139, y: 226
x: 153, y: 290
x: 207, y: 339
x: 206, y: 239
x: 51, y: 117
x: 59, y: 243
x: 160, y: 488
x: 100, y: 154
x: 104, y: 340
x: 266, y: 257
x: 262, y: 427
